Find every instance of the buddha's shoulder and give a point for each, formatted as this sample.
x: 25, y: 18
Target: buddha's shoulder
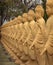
x: 50, y: 20
x: 49, y: 24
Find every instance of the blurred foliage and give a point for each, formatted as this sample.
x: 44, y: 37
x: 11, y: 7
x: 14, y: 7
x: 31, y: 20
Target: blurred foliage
x: 12, y: 8
x: 16, y: 7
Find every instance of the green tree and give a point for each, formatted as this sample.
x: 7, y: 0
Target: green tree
x: 11, y: 9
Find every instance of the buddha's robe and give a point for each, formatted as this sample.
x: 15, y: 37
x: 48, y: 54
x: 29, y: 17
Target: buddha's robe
x: 30, y: 38
x: 31, y: 52
x: 49, y: 43
x: 25, y: 35
x: 18, y: 32
x: 27, y: 51
x: 39, y: 41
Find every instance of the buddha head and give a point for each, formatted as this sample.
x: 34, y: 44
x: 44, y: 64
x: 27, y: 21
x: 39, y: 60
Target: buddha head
x: 31, y: 15
x: 49, y: 7
x: 25, y: 17
x: 19, y: 19
x: 39, y: 12
x: 14, y: 20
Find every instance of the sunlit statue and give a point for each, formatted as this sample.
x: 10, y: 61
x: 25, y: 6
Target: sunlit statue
x: 26, y: 26
x: 24, y: 36
x: 19, y: 19
x: 30, y: 24
x: 49, y: 43
x: 31, y: 18
x: 30, y: 37
x: 40, y: 37
x: 16, y: 30
x: 22, y: 33
x: 29, y: 40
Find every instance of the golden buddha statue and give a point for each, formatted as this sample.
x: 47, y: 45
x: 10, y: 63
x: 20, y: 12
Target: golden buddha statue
x: 19, y: 20
x: 29, y: 39
x: 24, y: 20
x: 39, y: 13
x: 24, y: 36
x: 49, y: 24
x: 40, y: 37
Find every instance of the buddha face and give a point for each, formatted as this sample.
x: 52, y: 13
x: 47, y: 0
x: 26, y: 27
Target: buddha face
x: 19, y: 18
x: 31, y: 15
x: 30, y: 18
x: 37, y: 15
x: 25, y: 17
x: 48, y: 10
x: 49, y: 7
x: 39, y: 12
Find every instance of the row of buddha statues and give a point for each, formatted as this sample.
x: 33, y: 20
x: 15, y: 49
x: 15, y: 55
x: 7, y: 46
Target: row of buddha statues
x: 28, y: 39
